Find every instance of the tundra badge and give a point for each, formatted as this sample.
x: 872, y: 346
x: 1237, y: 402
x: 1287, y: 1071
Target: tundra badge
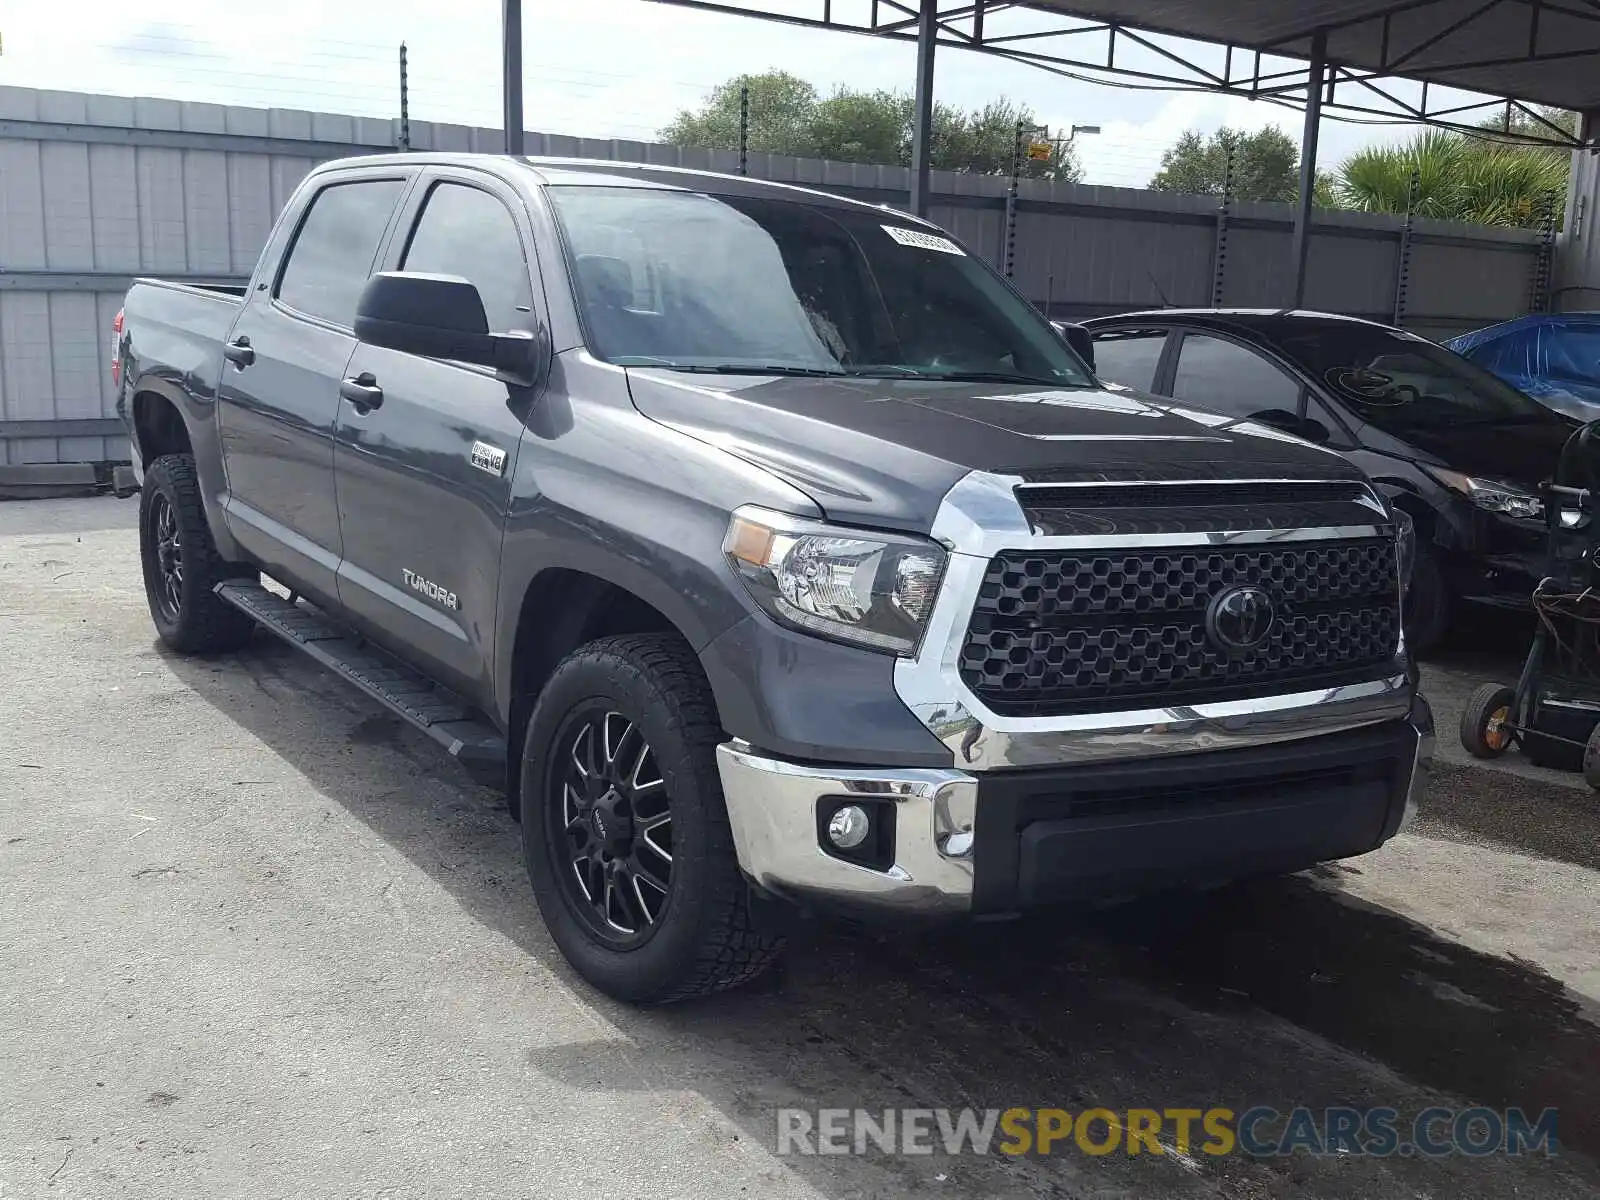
x: 488, y: 458
x: 430, y: 589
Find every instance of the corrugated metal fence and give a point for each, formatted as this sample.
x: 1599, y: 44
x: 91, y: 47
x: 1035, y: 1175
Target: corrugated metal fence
x: 97, y: 189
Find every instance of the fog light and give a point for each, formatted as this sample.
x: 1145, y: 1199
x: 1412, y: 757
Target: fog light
x: 848, y: 827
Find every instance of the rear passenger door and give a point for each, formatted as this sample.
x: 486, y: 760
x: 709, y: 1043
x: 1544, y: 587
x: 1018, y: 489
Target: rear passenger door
x: 424, y: 476
x: 279, y: 391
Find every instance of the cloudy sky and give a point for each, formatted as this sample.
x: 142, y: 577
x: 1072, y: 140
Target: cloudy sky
x: 604, y: 68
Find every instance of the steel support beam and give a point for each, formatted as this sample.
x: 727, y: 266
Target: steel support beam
x: 1308, y: 163
x: 511, y: 71
x: 922, y: 118
x: 1181, y: 73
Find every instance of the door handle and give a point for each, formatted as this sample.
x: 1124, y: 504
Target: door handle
x: 363, y: 392
x: 239, y: 352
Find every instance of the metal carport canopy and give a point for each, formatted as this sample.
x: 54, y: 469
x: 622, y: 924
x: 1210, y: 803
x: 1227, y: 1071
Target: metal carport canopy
x: 1514, y: 51
x: 1539, y: 51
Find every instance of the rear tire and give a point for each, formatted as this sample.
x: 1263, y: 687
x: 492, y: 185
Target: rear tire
x: 1486, y: 721
x: 182, y: 566
x: 616, y: 716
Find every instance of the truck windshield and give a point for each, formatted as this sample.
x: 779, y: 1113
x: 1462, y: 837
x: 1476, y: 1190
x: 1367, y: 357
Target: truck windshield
x: 695, y: 282
x: 1397, y: 381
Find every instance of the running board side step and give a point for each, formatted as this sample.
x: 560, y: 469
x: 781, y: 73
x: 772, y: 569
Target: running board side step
x: 408, y: 694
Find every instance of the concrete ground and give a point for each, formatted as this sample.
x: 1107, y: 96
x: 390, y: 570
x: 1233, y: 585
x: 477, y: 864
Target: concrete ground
x: 258, y: 939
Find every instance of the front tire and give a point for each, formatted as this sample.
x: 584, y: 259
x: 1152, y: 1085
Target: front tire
x: 624, y: 828
x: 1427, y: 613
x: 181, y: 563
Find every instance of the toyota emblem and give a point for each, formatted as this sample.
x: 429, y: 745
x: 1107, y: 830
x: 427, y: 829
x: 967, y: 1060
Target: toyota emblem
x: 1240, y: 619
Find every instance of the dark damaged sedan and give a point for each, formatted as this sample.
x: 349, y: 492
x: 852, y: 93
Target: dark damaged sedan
x: 1462, y: 452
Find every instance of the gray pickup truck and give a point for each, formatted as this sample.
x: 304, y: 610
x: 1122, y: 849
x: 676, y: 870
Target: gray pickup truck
x: 770, y: 550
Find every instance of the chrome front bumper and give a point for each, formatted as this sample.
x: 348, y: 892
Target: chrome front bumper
x: 778, y: 811
x: 772, y: 806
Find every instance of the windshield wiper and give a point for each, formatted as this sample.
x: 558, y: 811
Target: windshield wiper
x: 998, y: 377
x: 896, y: 371
x: 886, y: 371
x: 751, y: 369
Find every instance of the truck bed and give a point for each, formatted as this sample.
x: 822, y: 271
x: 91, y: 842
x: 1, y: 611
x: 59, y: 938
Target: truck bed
x: 182, y: 325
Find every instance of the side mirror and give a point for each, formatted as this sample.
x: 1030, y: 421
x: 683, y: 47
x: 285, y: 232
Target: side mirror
x: 440, y: 316
x: 1301, y: 427
x: 1078, y: 338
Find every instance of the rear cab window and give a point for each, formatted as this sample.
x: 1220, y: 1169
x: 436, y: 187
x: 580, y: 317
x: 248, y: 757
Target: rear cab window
x: 333, y: 251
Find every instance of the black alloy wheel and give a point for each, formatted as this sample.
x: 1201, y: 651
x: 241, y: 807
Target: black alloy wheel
x: 167, y: 541
x: 609, y: 813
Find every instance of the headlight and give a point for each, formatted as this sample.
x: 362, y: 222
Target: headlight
x: 1491, y: 495
x: 870, y: 589
x: 1405, y: 544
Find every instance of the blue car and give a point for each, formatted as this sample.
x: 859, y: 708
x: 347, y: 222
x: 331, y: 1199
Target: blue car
x: 1553, y: 357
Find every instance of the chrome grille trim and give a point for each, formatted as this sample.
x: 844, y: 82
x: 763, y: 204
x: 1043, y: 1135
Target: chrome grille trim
x: 982, y: 516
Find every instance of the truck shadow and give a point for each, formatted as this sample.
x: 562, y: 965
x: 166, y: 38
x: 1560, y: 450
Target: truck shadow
x: 1284, y: 992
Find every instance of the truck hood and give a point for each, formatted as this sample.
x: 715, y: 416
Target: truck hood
x: 885, y: 451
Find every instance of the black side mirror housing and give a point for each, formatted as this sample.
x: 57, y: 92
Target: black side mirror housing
x: 1301, y: 427
x: 441, y: 316
x: 1078, y: 338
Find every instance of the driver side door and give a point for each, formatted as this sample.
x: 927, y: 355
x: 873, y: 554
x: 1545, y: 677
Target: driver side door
x: 424, y: 474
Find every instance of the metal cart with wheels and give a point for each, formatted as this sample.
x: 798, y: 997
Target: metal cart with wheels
x: 1553, y: 713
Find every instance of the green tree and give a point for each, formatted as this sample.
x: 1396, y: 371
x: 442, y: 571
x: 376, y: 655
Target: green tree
x: 782, y: 110
x: 1458, y: 179
x: 983, y: 141
x: 1524, y: 125
x: 864, y: 127
x: 788, y: 117
x: 1266, y: 165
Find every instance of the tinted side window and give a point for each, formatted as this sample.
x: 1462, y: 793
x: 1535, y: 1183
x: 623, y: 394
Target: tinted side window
x: 1229, y: 379
x: 1129, y: 356
x: 332, y: 254
x: 467, y: 232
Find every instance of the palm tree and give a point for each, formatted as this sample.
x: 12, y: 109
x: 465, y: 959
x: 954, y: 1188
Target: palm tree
x: 1457, y: 179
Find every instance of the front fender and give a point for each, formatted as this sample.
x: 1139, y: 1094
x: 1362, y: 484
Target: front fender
x: 602, y: 490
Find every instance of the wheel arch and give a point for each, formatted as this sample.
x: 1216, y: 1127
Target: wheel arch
x: 1405, y: 495
x: 560, y: 609
x: 165, y: 418
x: 158, y: 424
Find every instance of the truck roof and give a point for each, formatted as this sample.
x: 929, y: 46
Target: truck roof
x: 605, y: 173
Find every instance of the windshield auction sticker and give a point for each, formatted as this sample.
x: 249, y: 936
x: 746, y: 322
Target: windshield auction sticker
x: 923, y: 241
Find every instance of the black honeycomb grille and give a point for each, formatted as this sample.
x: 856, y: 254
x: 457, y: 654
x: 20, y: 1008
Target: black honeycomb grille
x: 1056, y: 633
